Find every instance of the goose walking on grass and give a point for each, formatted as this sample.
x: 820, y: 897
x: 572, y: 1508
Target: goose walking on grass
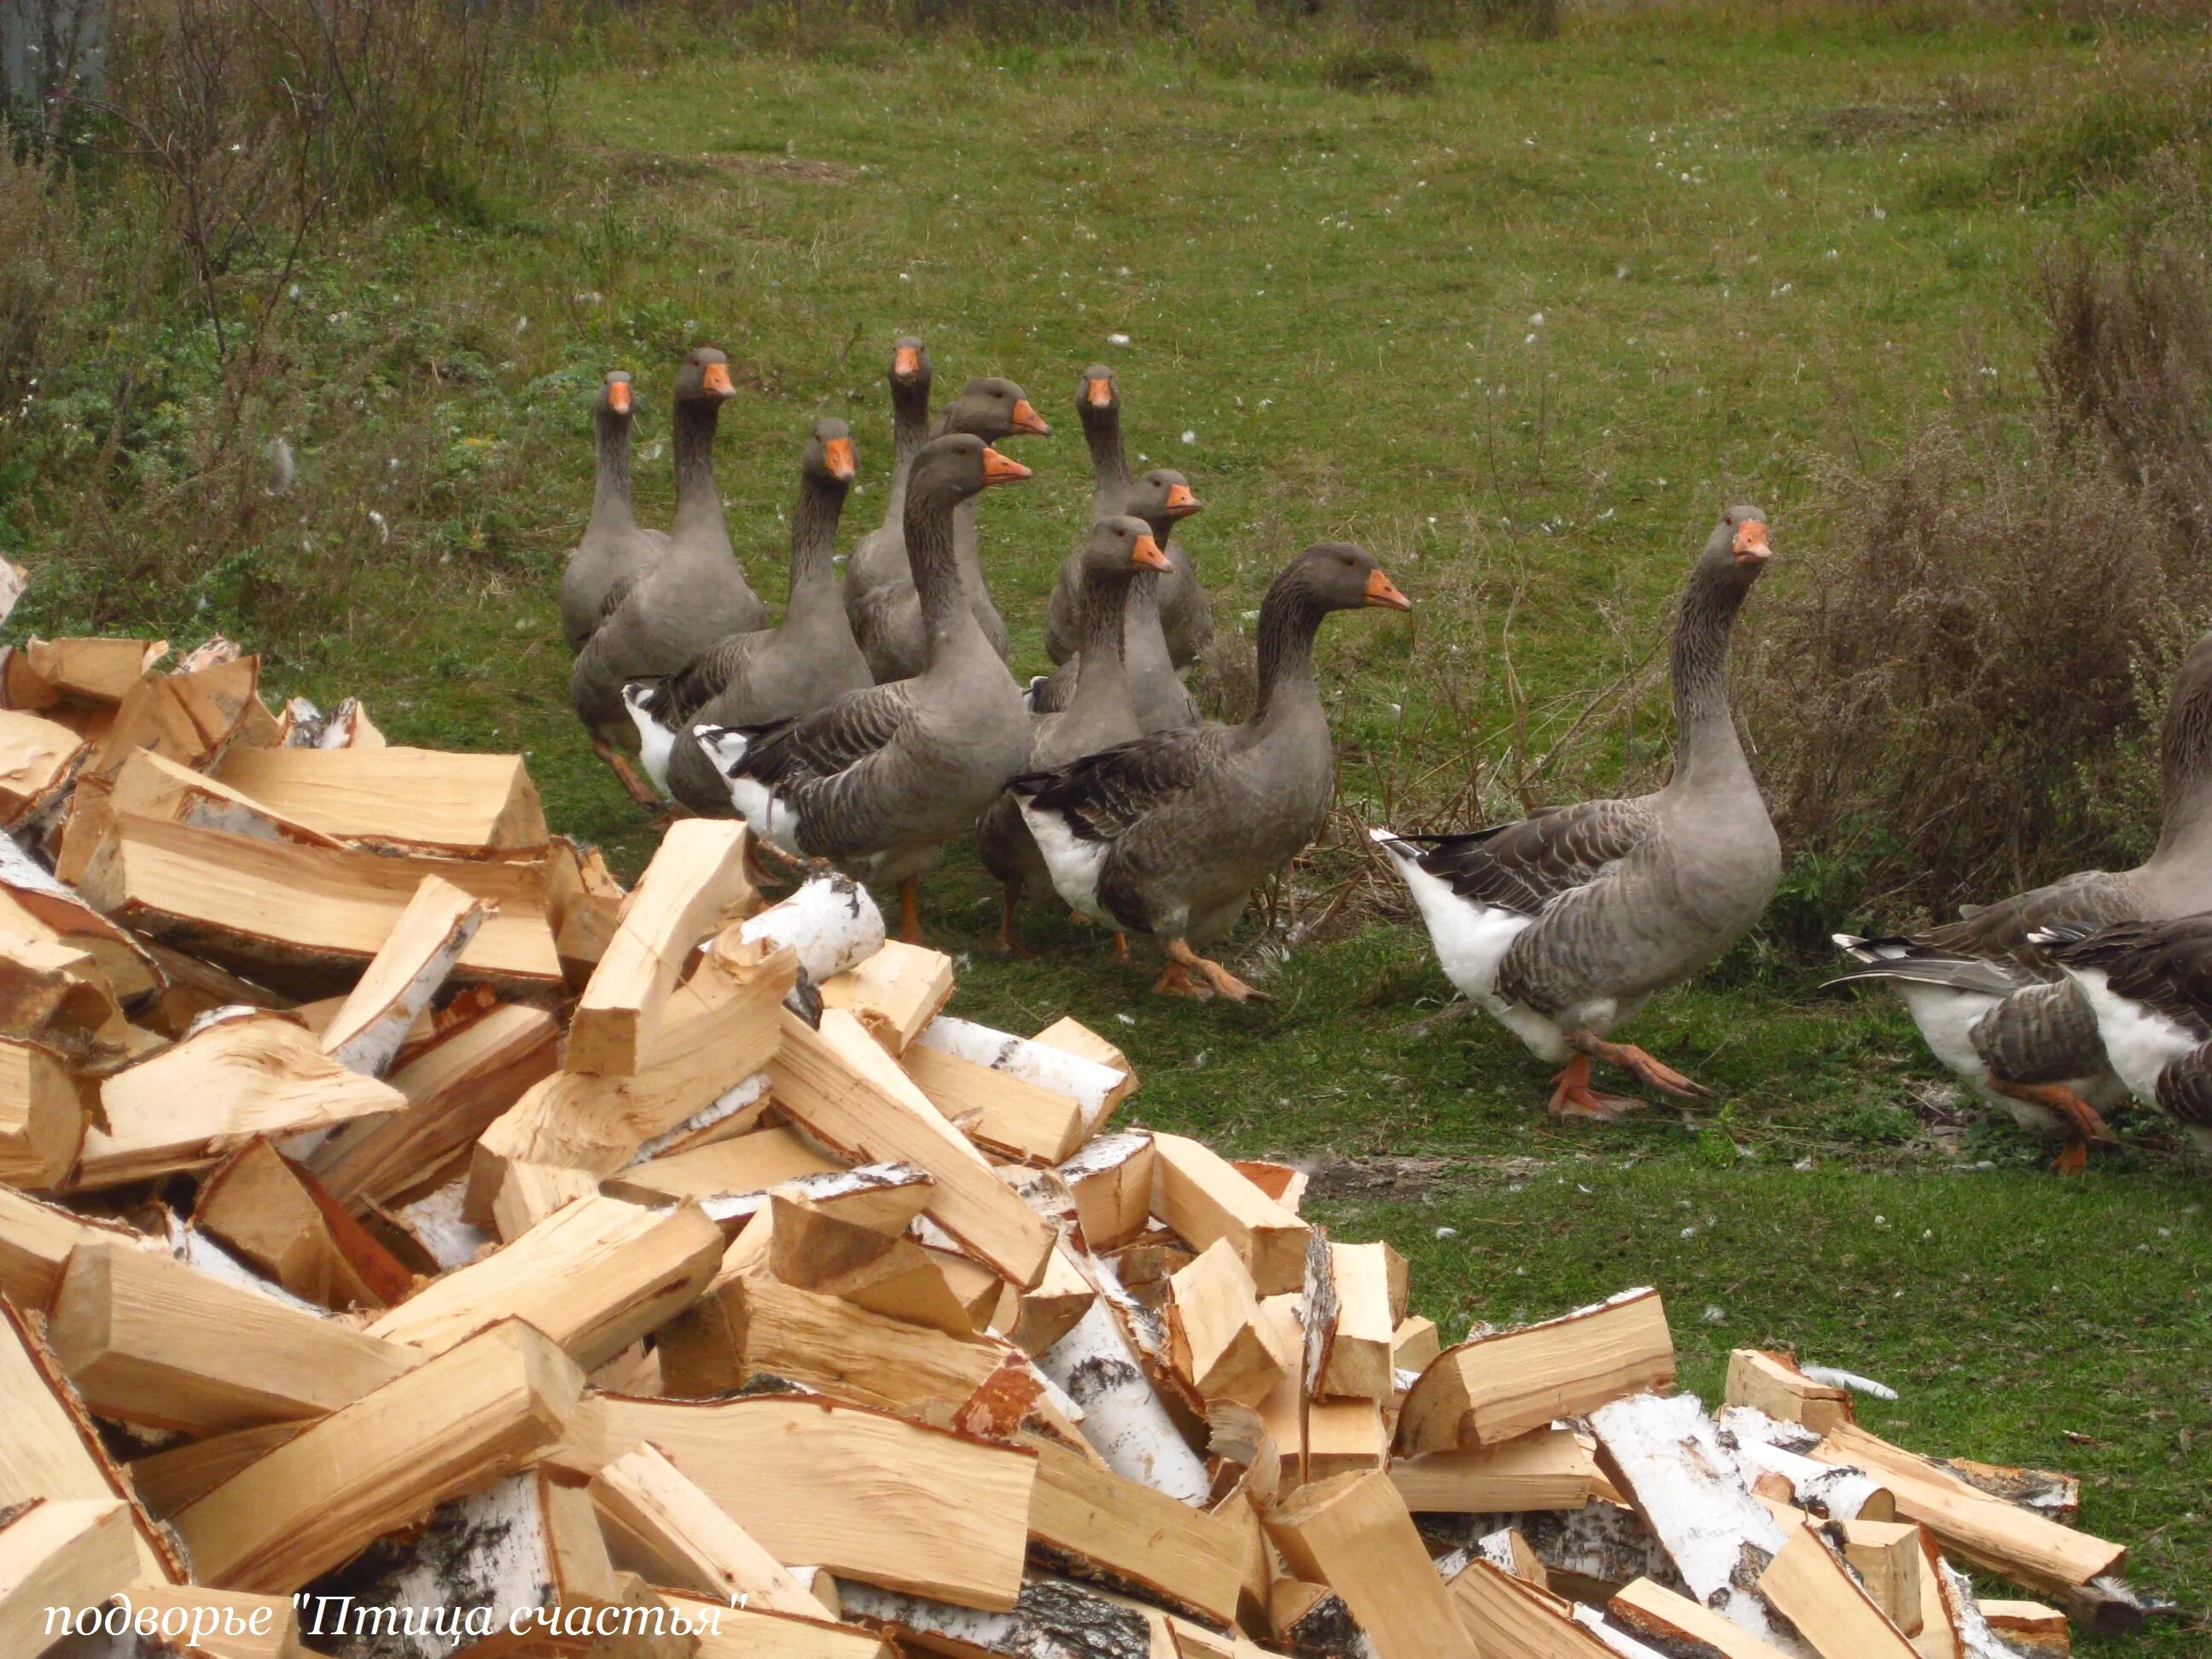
x: 1169, y: 834
x: 878, y: 780
x: 2148, y: 985
x: 1992, y: 1006
x: 1120, y: 555
x: 614, y: 548
x: 750, y: 680
x: 1564, y: 923
x: 659, y: 619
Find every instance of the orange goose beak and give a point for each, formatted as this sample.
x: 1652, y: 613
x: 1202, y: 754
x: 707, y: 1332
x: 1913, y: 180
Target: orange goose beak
x: 1383, y: 593
x: 1751, y: 546
x: 1000, y: 469
x: 1180, y: 503
x: 1146, y: 554
x: 1098, y: 393
x: 618, y: 395
x: 906, y: 362
x: 716, y: 379
x: 838, y: 453
x: 1026, y: 419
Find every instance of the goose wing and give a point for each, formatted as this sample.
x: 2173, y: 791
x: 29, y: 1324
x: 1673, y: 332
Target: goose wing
x: 1102, y: 797
x: 1524, y: 866
x: 809, y: 748
x: 2165, y: 966
x: 2094, y: 897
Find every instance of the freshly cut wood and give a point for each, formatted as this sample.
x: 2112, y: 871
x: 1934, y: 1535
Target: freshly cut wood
x: 1354, y: 1534
x: 830, y: 922
x: 1050, y: 1311
x: 94, y: 669
x: 183, y: 717
x: 594, y: 1276
x: 32, y: 902
x: 2054, y: 1496
x: 750, y: 1162
x: 1833, y: 1612
x: 60, y: 1553
x: 2003, y: 1538
x: 1078, y: 1039
x: 748, y: 1632
x: 1123, y: 1419
x: 37, y: 757
x: 470, y: 1416
x: 817, y: 1251
x: 1053, y: 1618
x: 1093, y: 1088
x: 529, y: 1193
x: 51, y: 1449
x: 404, y: 799
x: 1356, y: 1349
x: 840, y: 1084
x: 453, y: 1089
x: 152, y: 1341
x: 1665, y: 1457
x: 695, y: 878
x: 35, y: 1241
x: 2029, y: 1628
x: 150, y: 785
x: 280, y: 1219
x: 1547, y: 1470
x: 254, y: 1073
x: 1112, y: 1181
x: 308, y: 918
x: 1648, y: 1609
x: 1838, y: 1493
x: 894, y: 993
x: 1771, y: 1383
x: 228, y: 1620
x: 1885, y: 1555
x: 54, y: 994
x: 41, y: 1115
x: 1197, y: 1193
x: 1493, y: 1388
x: 1009, y: 1115
x: 660, y: 1523
x: 1109, y: 1529
x: 1414, y: 1344
x: 584, y: 903
x: 1510, y: 1619
x: 856, y: 1490
x: 1283, y: 1182
x: 1216, y: 1341
x: 177, y: 1477
x: 365, y: 1033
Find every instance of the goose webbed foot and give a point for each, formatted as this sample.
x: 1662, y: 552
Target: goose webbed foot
x: 2086, y: 1126
x: 640, y: 790
x: 910, y: 911
x: 1120, y: 953
x: 1650, y: 1072
x: 1009, y: 943
x: 1214, y: 974
x: 1175, y: 981
x: 2073, y: 1157
x: 1572, y: 1097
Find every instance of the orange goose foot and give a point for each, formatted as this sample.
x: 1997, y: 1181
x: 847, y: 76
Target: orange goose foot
x: 1214, y: 974
x: 2087, y: 1125
x: 1572, y: 1097
x: 910, y: 911
x: 640, y: 790
x: 1651, y: 1073
x: 1176, y: 982
x: 1009, y: 943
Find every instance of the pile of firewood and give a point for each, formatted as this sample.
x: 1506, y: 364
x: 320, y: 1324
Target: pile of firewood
x: 412, y: 1244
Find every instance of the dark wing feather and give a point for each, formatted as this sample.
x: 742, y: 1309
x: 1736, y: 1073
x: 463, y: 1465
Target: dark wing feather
x: 2164, y: 965
x: 699, y: 681
x: 1525, y: 864
x: 2185, y: 1087
x: 612, y: 600
x: 1102, y: 795
x: 826, y: 741
x: 2003, y: 929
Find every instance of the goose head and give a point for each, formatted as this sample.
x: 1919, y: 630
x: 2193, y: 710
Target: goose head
x: 617, y: 398
x: 909, y: 363
x: 1162, y: 496
x: 992, y: 408
x: 961, y: 464
x: 1340, y: 576
x: 1117, y: 548
x: 1737, y: 550
x: 704, y: 378
x: 1097, y: 398
x: 831, y: 459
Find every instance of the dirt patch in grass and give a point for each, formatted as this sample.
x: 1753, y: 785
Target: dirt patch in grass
x: 1406, y: 1180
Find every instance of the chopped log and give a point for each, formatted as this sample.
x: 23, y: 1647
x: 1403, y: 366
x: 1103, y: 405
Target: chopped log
x: 1809, y: 1585
x: 1197, y: 1193
x: 1771, y: 1383
x: 54, y: 994
x: 1648, y: 1609
x: 1664, y: 1455
x: 37, y: 758
x: 62, y: 1554
x: 225, y: 1623
x: 183, y: 717
x: 1009, y: 1115
x: 469, y: 1416
x: 1112, y: 1181
x: 1844, y: 1494
x: 151, y: 1341
x: 1215, y: 1342
x: 1123, y: 1419
x: 830, y: 922
x: 849, y: 1093
x: 51, y: 1449
x: 1050, y: 1311
x: 35, y: 1241
x: 280, y: 1220
x: 1885, y: 1555
x: 1414, y: 1344
x: 96, y: 670
x: 695, y: 878
x: 2055, y: 1497
x: 750, y: 1162
x: 1093, y: 1088
x: 881, y: 1198
x: 2029, y: 1628
x: 1354, y: 1534
x: 1092, y: 1524
x: 584, y: 904
x: 659, y: 1524
x: 41, y: 1115
x: 365, y: 1033
x: 594, y: 1276
x: 1492, y: 1388
x: 1051, y: 1618
x: 32, y: 902
x: 817, y: 1251
x: 1506, y: 1616
x: 150, y: 785
x: 1311, y: 1621
x: 1356, y: 1347
x: 254, y: 1073
x: 179, y: 1476
x: 1283, y: 1182
x: 453, y: 1089
x: 2004, y: 1538
x: 529, y: 1193
x: 894, y: 993
x: 398, y: 799
x: 1547, y: 1469
x: 1071, y: 1034
x: 856, y: 1490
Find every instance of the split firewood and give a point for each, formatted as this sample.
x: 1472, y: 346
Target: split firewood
x: 1197, y: 1193
x: 748, y: 1632
x: 695, y: 878
x: 151, y: 786
x: 1124, y: 1418
x: 41, y: 1115
x: 1354, y: 1534
x: 894, y: 993
x: 830, y: 922
x: 183, y: 717
x: 1026, y: 1099
x: 1312, y: 1621
x: 36, y: 1239
x: 471, y: 1415
x: 1283, y: 1182
x: 1112, y: 1181
x: 54, y: 994
x: 38, y: 759
x: 1678, y: 1625
x: 1051, y: 1616
x: 100, y: 671
x: 152, y: 1341
x: 403, y: 800
x: 885, y: 1199
x: 1517, y: 1618
x: 825, y: 1251
x: 1054, y: 1307
x: 1356, y: 1349
x: 34, y: 903
x: 223, y: 1623
x: 856, y: 1490
x: 657, y: 1522
x: 2053, y: 1496
x: 1836, y: 1613
x: 278, y: 1218
x: 749, y: 1163
x: 1834, y: 1490
x: 593, y: 1276
x: 177, y: 1477
x: 2031, y: 1629
x: 1414, y: 1344
x: 1217, y: 1341
x: 1093, y: 1525
x: 1547, y: 1469
x: 1078, y: 1039
x: 529, y: 1193
x: 1885, y: 1555
x: 839, y: 1083
x: 251, y: 1074
x: 1771, y: 1383
x: 1495, y: 1387
x: 395, y: 989
x: 60, y: 1553
x: 584, y: 902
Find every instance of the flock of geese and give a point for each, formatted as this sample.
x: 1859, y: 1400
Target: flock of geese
x: 879, y: 721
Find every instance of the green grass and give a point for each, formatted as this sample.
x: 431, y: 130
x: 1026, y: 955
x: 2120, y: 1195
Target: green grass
x: 1751, y: 243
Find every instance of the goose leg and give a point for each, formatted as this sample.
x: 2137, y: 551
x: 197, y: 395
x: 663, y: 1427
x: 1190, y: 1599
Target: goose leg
x: 1215, y: 975
x: 1010, y: 901
x: 1652, y: 1074
x: 640, y: 790
x: 910, y: 910
x: 1174, y: 981
x: 2087, y: 1124
x: 1572, y: 1097
x: 1121, y: 950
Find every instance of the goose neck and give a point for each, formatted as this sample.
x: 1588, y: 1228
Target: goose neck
x: 1110, y: 465
x: 1708, y: 750
x: 1289, y: 620
x: 814, y: 541
x: 935, y: 566
x: 2186, y: 831
x: 698, y: 506
x: 611, y: 493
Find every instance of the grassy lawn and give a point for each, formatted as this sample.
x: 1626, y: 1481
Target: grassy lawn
x: 1522, y: 334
